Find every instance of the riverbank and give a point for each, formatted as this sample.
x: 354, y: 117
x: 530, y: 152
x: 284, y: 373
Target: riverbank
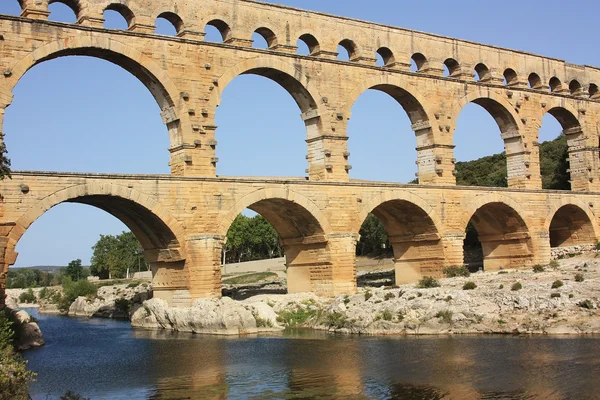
x: 559, y: 299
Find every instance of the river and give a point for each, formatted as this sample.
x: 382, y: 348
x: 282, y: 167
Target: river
x: 106, y: 359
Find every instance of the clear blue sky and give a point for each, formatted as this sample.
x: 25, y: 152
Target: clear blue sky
x: 90, y: 113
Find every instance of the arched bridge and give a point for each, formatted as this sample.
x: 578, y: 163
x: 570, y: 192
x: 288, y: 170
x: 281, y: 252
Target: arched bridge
x: 181, y: 219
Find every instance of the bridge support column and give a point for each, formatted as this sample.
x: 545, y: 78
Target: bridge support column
x: 170, y: 283
x: 35, y: 9
x: 541, y: 248
x: 584, y: 167
x: 204, y: 265
x: 417, y: 256
x: 435, y: 156
x: 326, y: 267
x: 453, y: 244
x: 511, y: 250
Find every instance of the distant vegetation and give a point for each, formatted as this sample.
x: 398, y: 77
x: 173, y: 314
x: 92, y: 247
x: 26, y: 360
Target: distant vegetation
x: 251, y: 238
x: 22, y: 278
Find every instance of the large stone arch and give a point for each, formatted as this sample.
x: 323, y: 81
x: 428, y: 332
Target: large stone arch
x: 571, y: 222
x: 504, y: 232
x: 293, y: 198
x: 141, y: 66
x: 414, y: 232
x: 511, y: 130
x: 160, y: 234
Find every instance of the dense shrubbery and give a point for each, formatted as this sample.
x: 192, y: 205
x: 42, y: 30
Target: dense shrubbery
x: 428, y: 282
x: 469, y: 285
x: 27, y: 297
x: 73, y: 290
x: 14, y: 376
x: 455, y: 271
x: 23, y: 278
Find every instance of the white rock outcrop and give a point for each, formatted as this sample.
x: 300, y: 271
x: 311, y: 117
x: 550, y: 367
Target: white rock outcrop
x: 30, y: 334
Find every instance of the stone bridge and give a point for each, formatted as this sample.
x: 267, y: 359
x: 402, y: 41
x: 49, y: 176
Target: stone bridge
x: 181, y: 219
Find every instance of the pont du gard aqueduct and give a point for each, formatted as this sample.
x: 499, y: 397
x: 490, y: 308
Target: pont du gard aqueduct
x: 182, y: 219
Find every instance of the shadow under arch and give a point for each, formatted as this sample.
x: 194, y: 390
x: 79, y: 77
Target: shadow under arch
x: 143, y: 68
x: 161, y: 236
x: 413, y: 232
x: 510, y: 126
x: 302, y: 230
x: 571, y: 225
x: 504, y: 235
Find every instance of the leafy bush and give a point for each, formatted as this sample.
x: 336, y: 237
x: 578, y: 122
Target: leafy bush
x: 73, y: 290
x: 538, y: 268
x: 336, y: 320
x: 14, y: 376
x: 123, y: 305
x: 501, y: 286
x: 263, y: 323
x: 579, y: 278
x: 368, y: 295
x: 586, y: 304
x: 554, y: 295
x: 27, y: 297
x: 469, y: 285
x: 553, y: 264
x: 133, y: 285
x: 445, y: 316
x: 502, y: 272
x: 556, y: 284
x: 428, y: 282
x: 346, y: 299
x: 297, y: 317
x: 570, y: 295
x: 389, y: 296
x: 387, y: 315
x: 452, y: 272
x: 400, y: 316
x: 516, y: 286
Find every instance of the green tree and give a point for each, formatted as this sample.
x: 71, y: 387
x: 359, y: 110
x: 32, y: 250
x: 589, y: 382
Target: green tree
x: 251, y: 238
x: 373, y: 238
x: 75, y: 270
x: 4, y: 160
x: 114, y: 255
x: 14, y: 376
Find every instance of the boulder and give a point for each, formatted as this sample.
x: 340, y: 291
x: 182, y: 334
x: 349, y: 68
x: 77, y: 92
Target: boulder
x: 29, y: 333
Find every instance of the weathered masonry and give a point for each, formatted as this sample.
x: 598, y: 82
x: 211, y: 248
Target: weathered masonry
x: 182, y: 219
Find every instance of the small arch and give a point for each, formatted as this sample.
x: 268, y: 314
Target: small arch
x: 67, y: 11
x: 223, y: 29
x: 482, y: 73
x: 169, y: 23
x: 593, y: 91
x: 124, y: 11
x: 418, y: 61
x: 268, y: 35
x: 349, y: 47
x: 571, y: 226
x: 387, y: 57
x: 566, y: 118
x: 575, y: 88
x: 311, y: 43
x: 510, y: 77
x: 555, y: 84
x: 451, y: 67
x: 534, y: 81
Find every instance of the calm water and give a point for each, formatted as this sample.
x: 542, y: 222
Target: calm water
x: 105, y: 359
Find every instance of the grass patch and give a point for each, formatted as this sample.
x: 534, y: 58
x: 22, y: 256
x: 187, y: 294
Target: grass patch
x: 579, y: 278
x: 263, y: 323
x: 501, y: 286
x: 388, y: 296
x: 336, y: 320
x: 538, y: 268
x: 556, y: 284
x: 428, y: 282
x: 553, y: 264
x: 445, y: 316
x: 587, y: 304
x: 554, y: 295
x: 452, y: 272
x: 516, y: 286
x: 387, y: 315
x: 368, y: 295
x: 297, y: 317
x: 469, y: 285
x: 250, y: 278
x: 502, y: 272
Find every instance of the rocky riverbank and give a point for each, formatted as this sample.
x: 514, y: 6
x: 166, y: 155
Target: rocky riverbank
x: 558, y: 299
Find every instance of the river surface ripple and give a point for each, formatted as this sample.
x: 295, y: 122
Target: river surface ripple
x: 106, y: 359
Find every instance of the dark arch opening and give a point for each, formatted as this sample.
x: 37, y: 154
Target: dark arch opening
x: 555, y: 84
x: 63, y: 11
x: 249, y: 96
x: 510, y: 77
x: 347, y: 50
x: 451, y: 67
x: 575, y: 88
x: 267, y: 35
x: 385, y: 57
x: 418, y: 62
x: 570, y: 226
x: 87, y: 138
x: 488, y: 170
x: 169, y: 24
x: 534, y: 81
x: 397, y: 160
x: 118, y: 16
x: 217, y: 31
x: 282, y: 228
x: 482, y: 73
x: 308, y: 45
x: 593, y: 91
x: 497, y: 238
x: 403, y: 230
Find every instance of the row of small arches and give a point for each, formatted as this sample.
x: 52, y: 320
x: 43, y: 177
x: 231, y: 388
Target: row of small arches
x: 171, y: 24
